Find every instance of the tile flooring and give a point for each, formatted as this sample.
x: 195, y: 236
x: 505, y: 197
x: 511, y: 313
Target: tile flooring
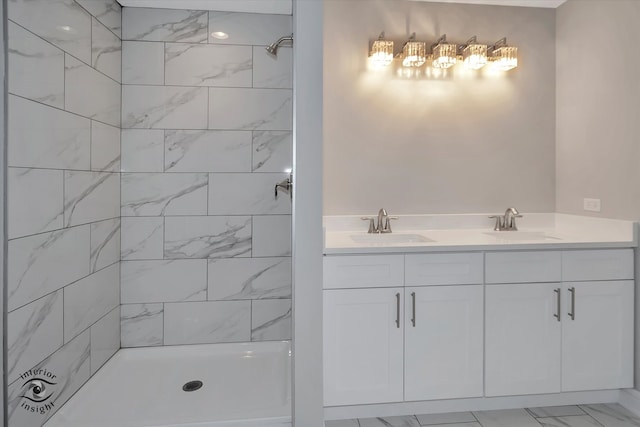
x: 601, y: 415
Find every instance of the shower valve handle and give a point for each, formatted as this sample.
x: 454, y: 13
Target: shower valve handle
x: 286, y: 185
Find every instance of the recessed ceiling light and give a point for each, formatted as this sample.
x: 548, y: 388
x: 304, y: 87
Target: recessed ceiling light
x: 220, y: 35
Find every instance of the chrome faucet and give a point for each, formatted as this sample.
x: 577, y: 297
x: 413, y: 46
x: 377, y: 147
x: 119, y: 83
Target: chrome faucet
x: 507, y: 222
x: 384, y: 222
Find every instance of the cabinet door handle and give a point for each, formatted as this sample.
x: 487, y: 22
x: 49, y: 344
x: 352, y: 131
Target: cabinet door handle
x: 572, y: 313
x: 398, y: 310
x: 557, y: 315
x: 413, y: 307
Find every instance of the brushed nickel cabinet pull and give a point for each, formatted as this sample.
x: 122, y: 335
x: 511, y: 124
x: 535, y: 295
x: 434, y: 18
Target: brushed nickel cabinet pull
x: 413, y: 306
x: 557, y: 315
x: 572, y: 313
x: 398, y: 310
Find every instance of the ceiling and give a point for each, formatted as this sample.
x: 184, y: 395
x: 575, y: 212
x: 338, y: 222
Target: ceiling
x: 284, y: 7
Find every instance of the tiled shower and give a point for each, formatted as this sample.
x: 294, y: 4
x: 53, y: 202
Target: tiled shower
x: 142, y: 158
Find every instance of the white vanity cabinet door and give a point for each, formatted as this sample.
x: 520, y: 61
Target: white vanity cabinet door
x: 363, y: 346
x: 444, y: 348
x: 522, y: 339
x: 597, y: 345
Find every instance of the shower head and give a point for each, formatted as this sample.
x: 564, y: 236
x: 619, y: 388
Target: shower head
x: 273, y: 47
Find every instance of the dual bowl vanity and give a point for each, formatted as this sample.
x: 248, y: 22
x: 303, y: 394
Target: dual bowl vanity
x: 446, y: 314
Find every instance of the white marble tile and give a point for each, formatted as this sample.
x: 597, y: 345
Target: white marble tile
x: 105, y: 147
x: 446, y: 418
x: 143, y: 63
x: 207, y: 237
x: 45, y: 137
x: 457, y: 425
x: 35, y: 201
x: 36, y: 68
x: 272, y: 151
x: 207, y: 151
x: 70, y: 365
x: 271, y: 320
x: 142, y: 150
x: 342, y: 423
x: 506, y: 418
x: 249, y: 278
x: 271, y: 235
x: 105, y: 243
x: 34, y: 332
x: 105, y: 339
x: 273, y: 71
x: 101, y: 103
x: 109, y: 12
x: 61, y: 22
x: 106, y: 51
x: 164, y: 107
x: 142, y: 238
x: 249, y: 28
x: 207, y: 322
x: 208, y: 65
x: 250, y: 109
x: 142, y: 325
x: 90, y: 196
x: 247, y: 194
x: 402, y: 421
x: 87, y: 300
x: 570, y: 421
x: 555, y: 411
x: 165, y: 25
x: 163, y: 281
x: 154, y: 194
x: 44, y: 263
x: 612, y: 415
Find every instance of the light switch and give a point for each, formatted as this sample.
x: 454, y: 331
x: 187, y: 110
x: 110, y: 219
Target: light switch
x: 592, y: 205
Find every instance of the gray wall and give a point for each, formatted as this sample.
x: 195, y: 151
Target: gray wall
x: 63, y: 194
x: 598, y: 113
x: 3, y: 195
x: 460, y: 143
x: 206, y: 248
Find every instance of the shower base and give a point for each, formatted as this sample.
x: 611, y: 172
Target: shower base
x: 243, y: 385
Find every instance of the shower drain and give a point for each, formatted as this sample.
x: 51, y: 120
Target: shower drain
x: 192, y: 385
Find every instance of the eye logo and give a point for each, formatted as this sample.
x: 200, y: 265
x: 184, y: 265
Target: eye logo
x: 37, y: 390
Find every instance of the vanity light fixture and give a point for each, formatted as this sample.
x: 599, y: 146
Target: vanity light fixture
x: 504, y: 57
x: 381, y: 52
x: 414, y: 52
x: 445, y: 54
x: 474, y: 55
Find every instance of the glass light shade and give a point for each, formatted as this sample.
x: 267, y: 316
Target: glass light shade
x: 474, y: 56
x: 444, y: 55
x: 505, y: 58
x: 382, y: 53
x: 414, y: 54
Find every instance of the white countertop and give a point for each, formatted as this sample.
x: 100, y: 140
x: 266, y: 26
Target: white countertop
x: 474, y: 232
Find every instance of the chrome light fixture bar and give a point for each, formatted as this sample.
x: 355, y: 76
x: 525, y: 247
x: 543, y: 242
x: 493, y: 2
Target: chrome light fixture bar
x: 504, y: 57
x: 445, y: 54
x: 414, y: 52
x: 381, y: 51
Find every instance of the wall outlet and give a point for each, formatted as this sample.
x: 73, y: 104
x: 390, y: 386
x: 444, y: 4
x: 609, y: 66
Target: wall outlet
x: 592, y: 205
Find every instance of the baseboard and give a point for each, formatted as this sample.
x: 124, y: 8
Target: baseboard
x: 482, y: 404
x: 630, y: 399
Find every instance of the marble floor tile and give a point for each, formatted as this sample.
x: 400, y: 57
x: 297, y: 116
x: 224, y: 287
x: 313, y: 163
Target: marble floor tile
x: 342, y: 423
x: 556, y: 411
x: 506, y: 418
x: 570, y: 421
x: 612, y: 415
x: 476, y: 424
x: 405, y: 421
x: 446, y: 418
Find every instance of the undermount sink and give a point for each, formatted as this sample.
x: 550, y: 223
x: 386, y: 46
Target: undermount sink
x: 390, y: 238
x: 521, y: 235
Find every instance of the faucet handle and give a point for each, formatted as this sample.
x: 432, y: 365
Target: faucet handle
x: 372, y: 226
x: 387, y: 224
x: 499, y: 222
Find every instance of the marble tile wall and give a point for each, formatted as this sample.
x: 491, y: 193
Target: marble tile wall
x: 206, y: 134
x: 64, y: 194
